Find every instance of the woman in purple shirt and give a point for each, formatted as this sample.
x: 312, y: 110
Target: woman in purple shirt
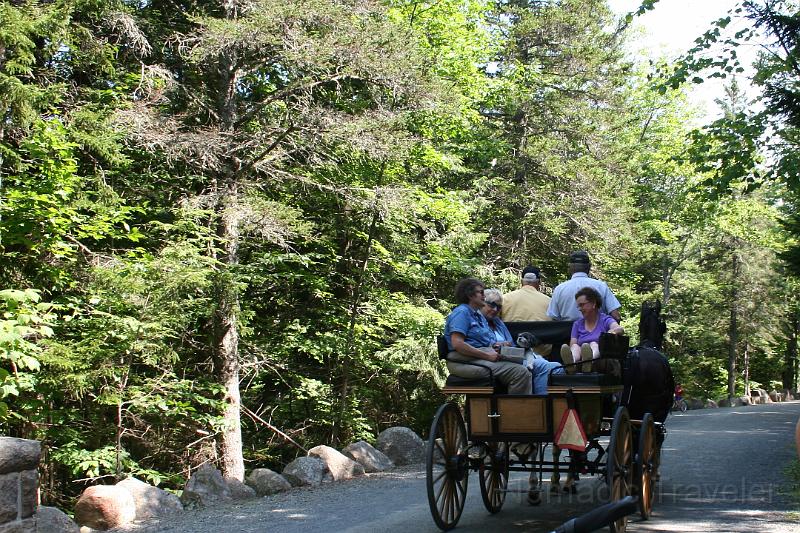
x: 585, y: 337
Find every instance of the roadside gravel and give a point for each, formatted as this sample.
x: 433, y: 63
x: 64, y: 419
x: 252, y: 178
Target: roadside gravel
x: 328, y: 507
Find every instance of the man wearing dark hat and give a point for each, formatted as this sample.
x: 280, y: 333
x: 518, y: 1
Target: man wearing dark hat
x: 563, y: 306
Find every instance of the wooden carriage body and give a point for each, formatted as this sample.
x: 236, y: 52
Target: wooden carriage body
x: 535, y: 418
x: 492, y: 419
x: 493, y: 416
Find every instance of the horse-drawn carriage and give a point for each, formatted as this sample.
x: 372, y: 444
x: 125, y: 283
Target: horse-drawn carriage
x: 495, y: 426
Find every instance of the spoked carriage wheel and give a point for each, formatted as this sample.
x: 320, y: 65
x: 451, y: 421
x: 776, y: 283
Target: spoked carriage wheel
x: 493, y: 474
x: 447, y: 466
x: 619, y: 465
x: 646, y: 465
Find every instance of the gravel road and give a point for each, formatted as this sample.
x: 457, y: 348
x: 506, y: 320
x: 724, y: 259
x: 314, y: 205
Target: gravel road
x: 722, y: 471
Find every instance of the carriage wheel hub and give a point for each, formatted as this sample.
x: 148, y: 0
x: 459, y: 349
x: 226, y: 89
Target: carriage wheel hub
x: 457, y: 466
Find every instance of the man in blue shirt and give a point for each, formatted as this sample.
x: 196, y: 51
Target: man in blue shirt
x: 471, y: 340
x: 563, y: 306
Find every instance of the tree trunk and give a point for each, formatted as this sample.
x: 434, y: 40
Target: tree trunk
x: 350, y: 348
x: 733, y: 332
x: 668, y: 271
x: 790, y: 364
x: 746, y: 363
x: 226, y: 338
x: 347, y: 358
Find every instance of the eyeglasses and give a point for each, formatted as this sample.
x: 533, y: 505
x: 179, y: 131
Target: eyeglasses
x: 495, y: 306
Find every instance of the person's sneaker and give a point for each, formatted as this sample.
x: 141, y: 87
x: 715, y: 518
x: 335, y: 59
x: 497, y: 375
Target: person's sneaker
x: 566, y: 359
x: 586, y: 355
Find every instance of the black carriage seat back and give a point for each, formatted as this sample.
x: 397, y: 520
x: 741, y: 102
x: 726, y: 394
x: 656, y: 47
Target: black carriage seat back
x: 455, y: 381
x: 547, y: 331
x: 554, y: 332
x: 613, y: 351
x: 614, y: 346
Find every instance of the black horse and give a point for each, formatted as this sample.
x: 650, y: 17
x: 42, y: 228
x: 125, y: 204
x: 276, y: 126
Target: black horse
x: 651, y: 326
x: 647, y: 376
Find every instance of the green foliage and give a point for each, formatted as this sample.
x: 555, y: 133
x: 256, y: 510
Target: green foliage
x: 51, y: 213
x: 727, y: 152
x: 24, y: 321
x: 106, y: 462
x: 23, y: 28
x: 743, y: 168
x: 90, y: 464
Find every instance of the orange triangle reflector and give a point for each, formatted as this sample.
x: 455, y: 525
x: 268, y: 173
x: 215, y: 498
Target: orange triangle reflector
x: 570, y: 434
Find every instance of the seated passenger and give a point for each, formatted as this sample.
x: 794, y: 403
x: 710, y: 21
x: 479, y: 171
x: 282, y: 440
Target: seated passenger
x: 471, y: 340
x: 538, y: 365
x: 492, y: 305
x: 585, y: 337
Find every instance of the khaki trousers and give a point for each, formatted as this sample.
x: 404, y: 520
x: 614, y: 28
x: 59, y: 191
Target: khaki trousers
x: 513, y: 375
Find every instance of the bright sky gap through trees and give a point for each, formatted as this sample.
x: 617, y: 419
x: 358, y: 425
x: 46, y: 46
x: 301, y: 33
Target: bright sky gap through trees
x: 671, y: 28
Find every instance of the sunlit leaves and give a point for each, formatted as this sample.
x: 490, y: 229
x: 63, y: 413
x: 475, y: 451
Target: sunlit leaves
x: 728, y: 151
x: 50, y: 209
x: 24, y: 322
